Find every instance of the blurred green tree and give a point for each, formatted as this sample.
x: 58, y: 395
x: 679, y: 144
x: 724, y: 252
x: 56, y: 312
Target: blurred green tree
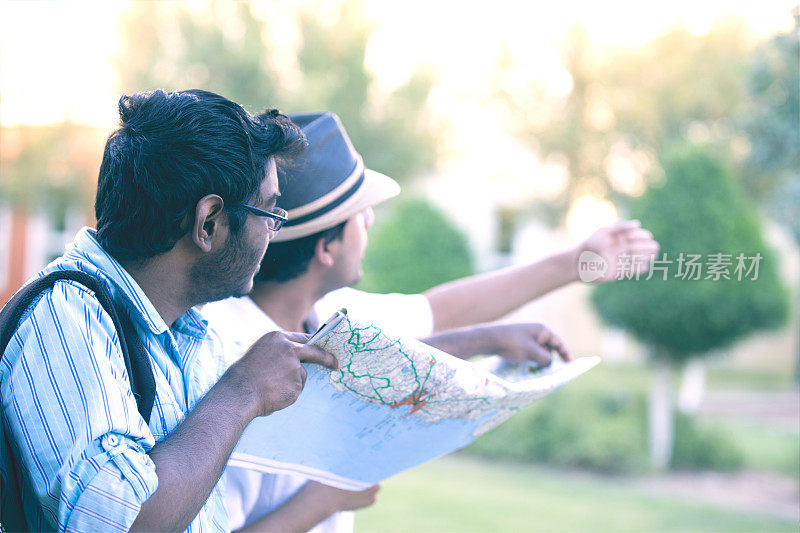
x: 227, y: 49
x: 633, y: 103
x: 680, y: 85
x: 413, y: 247
x: 699, y: 209
x: 49, y: 168
x: 771, y: 121
x: 165, y: 45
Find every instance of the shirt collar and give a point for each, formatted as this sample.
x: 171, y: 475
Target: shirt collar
x: 192, y: 323
x: 86, y: 248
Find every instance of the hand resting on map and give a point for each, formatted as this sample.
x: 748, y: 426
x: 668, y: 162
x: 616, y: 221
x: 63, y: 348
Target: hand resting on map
x: 312, y: 504
x: 272, y: 373
x: 515, y: 342
x: 335, y: 500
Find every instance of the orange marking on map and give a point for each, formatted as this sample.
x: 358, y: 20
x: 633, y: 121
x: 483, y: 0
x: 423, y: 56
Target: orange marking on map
x: 416, y: 400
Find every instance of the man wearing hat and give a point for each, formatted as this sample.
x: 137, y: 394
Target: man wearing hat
x: 307, y: 272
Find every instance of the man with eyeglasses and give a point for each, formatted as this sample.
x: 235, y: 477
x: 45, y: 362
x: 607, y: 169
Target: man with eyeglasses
x: 306, y: 275
x: 185, y: 210
x: 275, y: 216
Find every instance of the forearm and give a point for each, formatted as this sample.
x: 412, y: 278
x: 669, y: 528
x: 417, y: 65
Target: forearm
x: 462, y: 342
x: 489, y: 296
x: 516, y: 343
x: 301, y: 512
x: 190, y: 461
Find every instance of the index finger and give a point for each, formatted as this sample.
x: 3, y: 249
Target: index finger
x: 558, y: 345
x: 562, y: 351
x: 318, y: 356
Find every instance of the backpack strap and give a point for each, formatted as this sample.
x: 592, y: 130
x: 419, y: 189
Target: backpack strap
x: 137, y: 361
x: 137, y: 364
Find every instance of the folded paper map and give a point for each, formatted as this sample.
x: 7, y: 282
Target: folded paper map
x: 394, y: 403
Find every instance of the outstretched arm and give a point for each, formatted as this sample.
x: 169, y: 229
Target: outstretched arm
x: 488, y: 296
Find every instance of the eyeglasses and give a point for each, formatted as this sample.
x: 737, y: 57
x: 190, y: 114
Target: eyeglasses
x: 275, y: 216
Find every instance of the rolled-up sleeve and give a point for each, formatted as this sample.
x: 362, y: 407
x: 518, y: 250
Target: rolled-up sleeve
x: 119, y: 479
x: 78, y: 436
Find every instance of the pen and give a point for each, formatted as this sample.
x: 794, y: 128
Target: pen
x: 328, y: 326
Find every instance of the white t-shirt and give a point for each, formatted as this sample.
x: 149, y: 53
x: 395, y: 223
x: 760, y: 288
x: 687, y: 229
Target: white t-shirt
x: 250, y: 495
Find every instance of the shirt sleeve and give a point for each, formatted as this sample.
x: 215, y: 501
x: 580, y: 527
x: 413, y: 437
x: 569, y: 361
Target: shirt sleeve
x: 71, y: 414
x: 402, y: 314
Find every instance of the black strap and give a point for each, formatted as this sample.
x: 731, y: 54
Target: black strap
x: 137, y: 362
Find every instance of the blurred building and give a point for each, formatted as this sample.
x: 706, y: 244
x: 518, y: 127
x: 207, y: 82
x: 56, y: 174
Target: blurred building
x: 48, y: 176
x: 30, y: 241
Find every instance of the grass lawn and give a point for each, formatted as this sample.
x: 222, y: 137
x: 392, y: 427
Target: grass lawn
x: 464, y: 494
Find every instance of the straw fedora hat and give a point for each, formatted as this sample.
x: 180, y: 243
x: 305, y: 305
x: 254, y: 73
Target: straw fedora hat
x: 328, y: 183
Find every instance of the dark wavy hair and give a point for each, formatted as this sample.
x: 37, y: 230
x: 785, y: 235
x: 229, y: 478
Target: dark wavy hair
x: 171, y: 150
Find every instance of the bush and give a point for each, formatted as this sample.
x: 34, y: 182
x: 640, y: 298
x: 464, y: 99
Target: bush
x: 603, y: 432
x: 600, y: 430
x: 699, y: 448
x: 412, y: 248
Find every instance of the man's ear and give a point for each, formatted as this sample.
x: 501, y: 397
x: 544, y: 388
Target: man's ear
x: 324, y: 252
x: 210, y: 223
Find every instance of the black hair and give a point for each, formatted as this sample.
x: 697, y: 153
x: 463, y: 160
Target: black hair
x: 172, y: 149
x: 289, y: 259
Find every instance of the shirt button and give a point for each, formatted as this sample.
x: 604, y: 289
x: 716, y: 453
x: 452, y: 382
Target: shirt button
x: 113, y: 440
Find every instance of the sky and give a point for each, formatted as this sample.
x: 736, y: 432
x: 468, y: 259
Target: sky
x: 56, y: 56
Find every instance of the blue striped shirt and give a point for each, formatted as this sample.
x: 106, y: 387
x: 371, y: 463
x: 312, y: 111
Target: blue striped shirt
x: 77, y: 435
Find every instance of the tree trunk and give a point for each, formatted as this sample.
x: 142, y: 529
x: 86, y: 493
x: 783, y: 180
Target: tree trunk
x: 693, y: 385
x: 797, y: 370
x: 797, y: 364
x: 661, y: 419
